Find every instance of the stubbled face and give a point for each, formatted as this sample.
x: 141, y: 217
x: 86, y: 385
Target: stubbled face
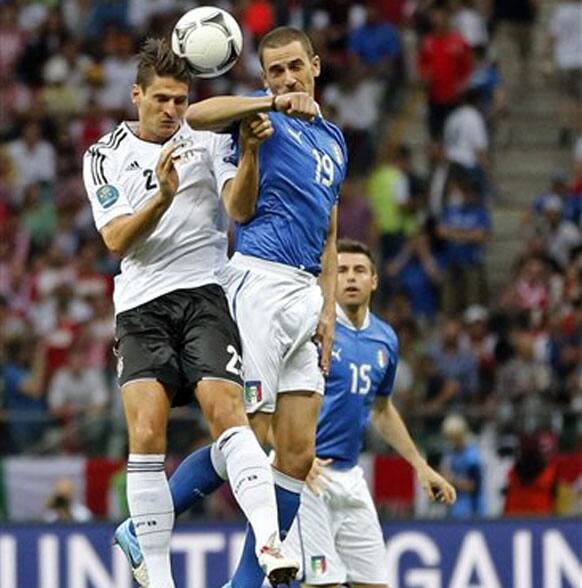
x: 290, y: 69
x: 356, y: 280
x: 160, y: 107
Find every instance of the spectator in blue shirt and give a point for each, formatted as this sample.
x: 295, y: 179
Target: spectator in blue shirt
x: 455, y: 379
x: 463, y: 466
x: 418, y: 271
x: 376, y: 44
x: 464, y: 225
x: 559, y: 186
x: 486, y: 80
x: 23, y: 381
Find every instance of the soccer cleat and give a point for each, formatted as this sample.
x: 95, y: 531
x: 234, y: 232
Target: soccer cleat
x: 280, y: 570
x: 128, y: 543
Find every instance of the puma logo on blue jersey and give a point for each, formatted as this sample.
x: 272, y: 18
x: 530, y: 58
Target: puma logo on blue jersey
x: 295, y: 134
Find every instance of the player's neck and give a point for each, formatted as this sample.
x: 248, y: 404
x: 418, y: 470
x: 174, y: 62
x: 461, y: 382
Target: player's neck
x: 356, y: 314
x: 145, y: 135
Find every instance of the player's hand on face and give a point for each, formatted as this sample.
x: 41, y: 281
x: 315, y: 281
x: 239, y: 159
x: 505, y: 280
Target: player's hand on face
x: 298, y: 105
x: 436, y: 487
x: 255, y: 129
x: 324, y: 338
x: 166, y: 172
x: 318, y: 478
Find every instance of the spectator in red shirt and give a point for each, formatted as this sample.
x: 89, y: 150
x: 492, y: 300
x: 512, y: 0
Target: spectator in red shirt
x: 445, y: 66
x: 258, y: 17
x: 531, y: 488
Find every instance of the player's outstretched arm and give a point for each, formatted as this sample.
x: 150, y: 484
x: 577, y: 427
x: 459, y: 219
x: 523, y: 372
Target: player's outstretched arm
x: 219, y: 112
x: 123, y: 232
x: 389, y: 424
x: 328, y: 280
x: 240, y: 194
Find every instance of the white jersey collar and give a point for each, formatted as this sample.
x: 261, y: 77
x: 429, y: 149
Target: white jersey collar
x: 343, y: 319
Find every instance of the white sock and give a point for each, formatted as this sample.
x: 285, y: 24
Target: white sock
x: 251, y: 480
x: 218, y: 461
x: 152, y: 513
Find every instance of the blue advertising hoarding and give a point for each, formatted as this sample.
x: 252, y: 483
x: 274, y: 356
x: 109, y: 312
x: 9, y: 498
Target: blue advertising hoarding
x: 420, y: 554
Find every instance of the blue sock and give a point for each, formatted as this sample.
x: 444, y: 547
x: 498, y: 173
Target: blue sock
x: 194, y: 479
x: 288, y: 492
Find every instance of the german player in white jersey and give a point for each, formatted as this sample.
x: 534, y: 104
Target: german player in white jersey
x: 155, y: 188
x: 336, y: 535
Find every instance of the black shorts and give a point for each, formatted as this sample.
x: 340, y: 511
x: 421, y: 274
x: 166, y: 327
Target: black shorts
x: 178, y: 339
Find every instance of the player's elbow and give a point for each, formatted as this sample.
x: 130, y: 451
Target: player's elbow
x: 377, y: 419
x: 198, y: 117
x: 115, y: 244
x: 238, y: 212
x: 241, y: 217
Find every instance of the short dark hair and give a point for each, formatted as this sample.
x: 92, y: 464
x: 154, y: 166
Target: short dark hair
x: 353, y: 246
x: 156, y: 58
x: 282, y: 36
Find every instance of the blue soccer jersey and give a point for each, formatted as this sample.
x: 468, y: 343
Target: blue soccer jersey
x: 301, y: 169
x: 363, y: 367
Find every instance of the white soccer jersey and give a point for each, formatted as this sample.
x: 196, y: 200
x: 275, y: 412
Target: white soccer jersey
x: 188, y: 246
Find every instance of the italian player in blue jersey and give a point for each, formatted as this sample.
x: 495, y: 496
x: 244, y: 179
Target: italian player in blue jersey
x: 280, y: 282
x: 337, y: 536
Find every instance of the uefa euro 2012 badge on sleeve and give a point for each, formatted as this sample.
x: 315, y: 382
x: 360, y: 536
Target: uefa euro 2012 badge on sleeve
x: 107, y: 195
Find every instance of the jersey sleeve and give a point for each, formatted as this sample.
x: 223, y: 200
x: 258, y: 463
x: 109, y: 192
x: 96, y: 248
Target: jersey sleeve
x: 387, y: 384
x: 224, y: 160
x: 106, y: 194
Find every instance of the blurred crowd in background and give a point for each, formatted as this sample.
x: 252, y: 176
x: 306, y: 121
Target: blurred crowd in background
x: 508, y: 356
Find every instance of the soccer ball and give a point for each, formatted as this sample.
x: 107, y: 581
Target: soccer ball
x: 209, y: 39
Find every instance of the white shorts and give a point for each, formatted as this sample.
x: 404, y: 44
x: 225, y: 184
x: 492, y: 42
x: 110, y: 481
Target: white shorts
x: 337, y: 537
x: 277, y: 309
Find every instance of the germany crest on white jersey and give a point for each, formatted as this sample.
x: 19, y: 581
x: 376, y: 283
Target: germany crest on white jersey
x: 187, y: 249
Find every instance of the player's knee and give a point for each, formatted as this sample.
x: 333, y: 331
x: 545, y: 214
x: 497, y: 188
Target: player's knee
x: 147, y: 436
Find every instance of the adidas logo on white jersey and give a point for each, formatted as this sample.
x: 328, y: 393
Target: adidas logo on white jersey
x: 132, y: 166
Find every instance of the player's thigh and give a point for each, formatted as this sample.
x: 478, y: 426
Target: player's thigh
x: 300, y: 371
x: 359, y: 540
x: 146, y: 345
x: 210, y: 347
x: 360, y: 585
x: 294, y: 424
x: 254, y: 301
x: 146, y: 404
x: 310, y: 541
x: 148, y: 372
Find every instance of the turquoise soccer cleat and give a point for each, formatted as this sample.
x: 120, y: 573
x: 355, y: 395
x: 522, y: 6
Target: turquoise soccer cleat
x: 128, y: 543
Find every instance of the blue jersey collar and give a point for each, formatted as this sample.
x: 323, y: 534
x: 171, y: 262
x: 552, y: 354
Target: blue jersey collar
x: 342, y: 319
